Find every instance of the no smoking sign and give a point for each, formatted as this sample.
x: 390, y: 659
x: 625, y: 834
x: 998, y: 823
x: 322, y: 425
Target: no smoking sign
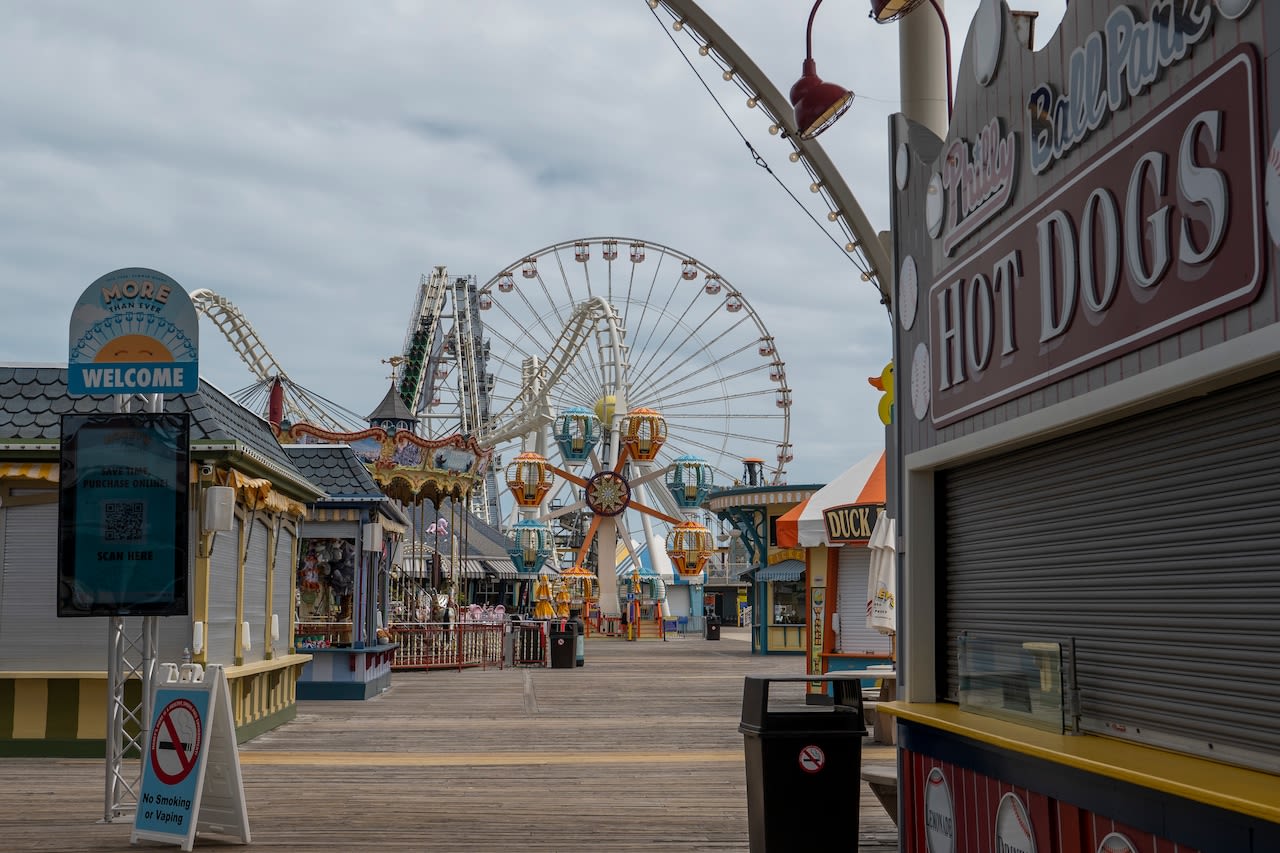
x: 812, y: 759
x: 175, y: 741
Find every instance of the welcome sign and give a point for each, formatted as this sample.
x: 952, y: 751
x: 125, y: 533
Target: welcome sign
x: 133, y: 331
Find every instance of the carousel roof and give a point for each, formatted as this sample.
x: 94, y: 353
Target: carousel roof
x: 392, y: 408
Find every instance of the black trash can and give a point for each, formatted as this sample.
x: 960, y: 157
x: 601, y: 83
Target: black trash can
x: 804, y: 767
x: 712, y: 627
x: 564, y: 643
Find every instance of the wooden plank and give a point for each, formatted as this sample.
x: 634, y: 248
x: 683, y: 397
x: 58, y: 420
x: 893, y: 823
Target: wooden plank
x: 638, y: 750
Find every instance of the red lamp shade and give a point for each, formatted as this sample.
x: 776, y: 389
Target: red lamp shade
x: 817, y: 104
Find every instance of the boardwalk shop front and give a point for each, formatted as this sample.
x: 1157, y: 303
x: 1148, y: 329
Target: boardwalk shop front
x: 1088, y: 349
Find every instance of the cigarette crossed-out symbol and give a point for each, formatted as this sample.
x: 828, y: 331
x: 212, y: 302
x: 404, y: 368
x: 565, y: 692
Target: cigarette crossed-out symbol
x: 175, y: 741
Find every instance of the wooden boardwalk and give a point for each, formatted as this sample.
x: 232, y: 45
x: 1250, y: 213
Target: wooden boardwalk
x: 637, y: 750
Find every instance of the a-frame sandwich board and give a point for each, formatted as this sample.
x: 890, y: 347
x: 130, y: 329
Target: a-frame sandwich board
x: 191, y: 781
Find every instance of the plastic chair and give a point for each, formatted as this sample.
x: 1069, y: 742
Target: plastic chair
x: 682, y: 626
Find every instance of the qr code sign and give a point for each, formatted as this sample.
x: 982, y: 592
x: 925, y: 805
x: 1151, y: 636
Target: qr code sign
x: 122, y: 521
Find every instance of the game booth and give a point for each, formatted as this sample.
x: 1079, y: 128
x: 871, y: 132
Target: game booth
x: 834, y: 527
x: 1087, y: 340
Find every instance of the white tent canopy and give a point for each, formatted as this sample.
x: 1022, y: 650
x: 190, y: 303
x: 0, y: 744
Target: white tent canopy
x: 850, y: 487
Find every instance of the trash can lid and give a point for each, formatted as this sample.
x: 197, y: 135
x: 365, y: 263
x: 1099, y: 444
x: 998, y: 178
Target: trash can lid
x: 845, y: 714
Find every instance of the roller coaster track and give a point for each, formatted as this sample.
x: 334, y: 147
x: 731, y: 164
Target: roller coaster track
x: 299, y: 406
x: 529, y: 410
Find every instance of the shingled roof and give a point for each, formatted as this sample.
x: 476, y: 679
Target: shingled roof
x: 336, y: 469
x: 34, y: 397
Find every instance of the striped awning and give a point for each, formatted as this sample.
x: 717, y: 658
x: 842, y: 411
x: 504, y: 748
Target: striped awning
x: 390, y: 525
x: 335, y: 514
x: 467, y: 569
x: 787, y: 570
x: 46, y: 471
x: 502, y: 569
x: 257, y: 492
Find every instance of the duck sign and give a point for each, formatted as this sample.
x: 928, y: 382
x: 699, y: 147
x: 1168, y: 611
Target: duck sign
x: 133, y: 331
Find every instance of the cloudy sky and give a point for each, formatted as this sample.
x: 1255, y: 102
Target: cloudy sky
x: 310, y: 159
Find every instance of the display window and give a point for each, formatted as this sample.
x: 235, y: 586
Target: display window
x: 789, y: 606
x: 326, y: 579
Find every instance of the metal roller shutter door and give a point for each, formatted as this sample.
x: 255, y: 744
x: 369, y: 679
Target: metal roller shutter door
x: 255, y: 590
x: 223, y: 580
x: 332, y: 530
x: 855, y: 637
x: 32, y: 636
x: 282, y: 588
x: 1153, y: 542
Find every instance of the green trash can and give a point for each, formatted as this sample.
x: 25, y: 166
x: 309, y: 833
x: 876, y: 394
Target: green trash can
x: 804, y: 767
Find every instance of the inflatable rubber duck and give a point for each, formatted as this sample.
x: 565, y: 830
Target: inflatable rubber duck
x: 885, y: 383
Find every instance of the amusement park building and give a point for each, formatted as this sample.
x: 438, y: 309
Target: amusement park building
x: 345, y: 549
x: 472, y: 556
x: 833, y: 526
x: 1087, y: 325
x: 53, y: 678
x: 779, y: 605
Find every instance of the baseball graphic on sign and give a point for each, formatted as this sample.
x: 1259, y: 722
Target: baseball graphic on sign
x: 939, y: 815
x: 920, y: 378
x: 1013, y: 826
x: 908, y: 293
x: 175, y: 741
x: 988, y: 30
x: 1117, y: 843
x: 933, y: 205
x: 1233, y: 9
x: 1271, y: 186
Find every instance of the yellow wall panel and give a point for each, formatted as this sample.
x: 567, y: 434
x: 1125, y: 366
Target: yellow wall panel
x: 30, y: 705
x: 93, y: 709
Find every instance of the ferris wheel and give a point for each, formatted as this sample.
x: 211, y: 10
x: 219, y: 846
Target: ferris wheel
x: 600, y: 327
x: 612, y: 324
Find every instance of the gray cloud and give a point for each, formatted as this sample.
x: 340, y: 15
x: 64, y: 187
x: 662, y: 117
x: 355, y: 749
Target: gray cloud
x: 309, y: 160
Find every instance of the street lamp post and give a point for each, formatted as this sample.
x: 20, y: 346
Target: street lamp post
x: 921, y: 46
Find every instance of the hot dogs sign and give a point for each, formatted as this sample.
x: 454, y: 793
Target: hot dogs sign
x: 1084, y: 207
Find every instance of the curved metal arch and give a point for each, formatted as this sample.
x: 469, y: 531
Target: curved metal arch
x: 863, y: 241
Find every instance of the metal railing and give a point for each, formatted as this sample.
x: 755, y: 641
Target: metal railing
x: 321, y: 635
x: 440, y: 645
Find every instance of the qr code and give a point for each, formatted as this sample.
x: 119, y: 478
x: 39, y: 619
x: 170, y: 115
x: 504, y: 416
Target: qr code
x: 122, y: 521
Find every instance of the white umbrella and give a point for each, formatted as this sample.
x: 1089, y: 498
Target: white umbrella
x: 882, y: 581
